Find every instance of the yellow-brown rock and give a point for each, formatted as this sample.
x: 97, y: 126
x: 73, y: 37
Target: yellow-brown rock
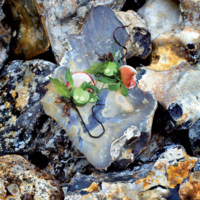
x: 24, y: 181
x: 172, y: 76
x: 191, y: 189
x: 177, y: 173
x: 29, y: 34
x: 171, y: 169
x: 175, y: 32
x: 168, y: 51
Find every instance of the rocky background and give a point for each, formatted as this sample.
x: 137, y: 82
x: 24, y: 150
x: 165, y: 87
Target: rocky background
x: 38, y: 158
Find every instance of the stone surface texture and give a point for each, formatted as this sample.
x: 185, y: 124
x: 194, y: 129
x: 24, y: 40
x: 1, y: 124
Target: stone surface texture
x: 5, y: 37
x: 69, y: 17
x: 169, y: 51
x: 64, y: 160
x: 176, y: 53
x: 22, y: 86
x: 139, y: 43
x: 161, y: 16
x: 175, y: 90
x: 127, y: 120
x: 194, y: 135
x: 29, y: 35
x: 179, y: 43
x: 170, y: 169
x: 63, y: 18
x: 191, y: 188
x: 19, y: 179
x: 141, y: 156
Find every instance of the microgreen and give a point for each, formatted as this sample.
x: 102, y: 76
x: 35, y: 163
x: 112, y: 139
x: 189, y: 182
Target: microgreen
x: 96, y: 68
x: 69, y: 78
x: 106, y: 80
x: 111, y: 76
x: 61, y: 88
x: 85, y: 85
x: 114, y: 87
x: 80, y: 95
x: 124, y: 90
x: 110, y: 72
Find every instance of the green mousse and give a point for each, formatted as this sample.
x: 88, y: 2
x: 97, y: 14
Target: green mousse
x: 110, y: 69
x: 80, y: 97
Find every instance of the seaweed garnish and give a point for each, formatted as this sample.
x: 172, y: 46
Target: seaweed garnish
x: 119, y: 42
x: 69, y: 103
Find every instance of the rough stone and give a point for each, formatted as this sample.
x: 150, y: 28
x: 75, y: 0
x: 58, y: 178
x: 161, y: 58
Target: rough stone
x: 171, y: 169
x: 176, y: 89
x: 21, y: 114
x: 161, y: 16
x: 126, y: 135
x: 179, y: 43
x: 163, y: 137
x: 24, y: 126
x: 24, y: 181
x: 169, y: 51
x: 190, y: 32
x: 139, y: 43
x: 191, y: 188
x: 72, y: 20
x: 61, y: 20
x: 5, y: 37
x: 176, y: 52
x: 194, y: 135
x: 64, y: 160
x: 29, y: 35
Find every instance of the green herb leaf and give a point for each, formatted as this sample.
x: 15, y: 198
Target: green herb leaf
x: 69, y: 78
x: 93, y: 97
x: 93, y: 87
x: 124, y: 90
x: 72, y: 92
x: 106, y: 80
x: 117, y: 76
x: 114, y: 87
x: 95, y: 69
x: 86, y: 85
x: 62, y: 81
x: 60, y: 88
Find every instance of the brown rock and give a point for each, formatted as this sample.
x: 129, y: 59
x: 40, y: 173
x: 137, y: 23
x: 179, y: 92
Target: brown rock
x: 168, y: 51
x: 178, y: 43
x: 26, y: 181
x: 191, y: 189
x: 29, y: 34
